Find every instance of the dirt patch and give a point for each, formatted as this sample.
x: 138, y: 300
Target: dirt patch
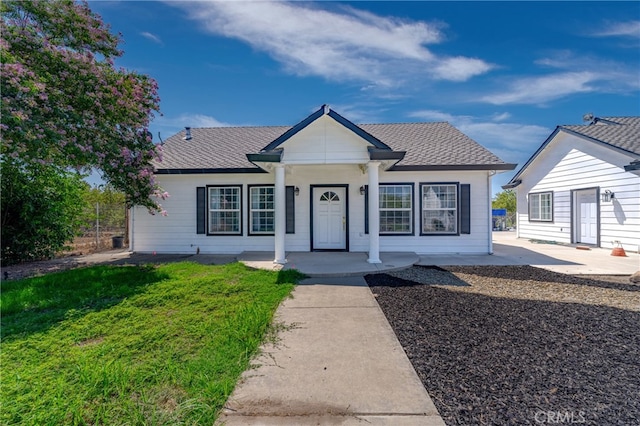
x: 30, y: 269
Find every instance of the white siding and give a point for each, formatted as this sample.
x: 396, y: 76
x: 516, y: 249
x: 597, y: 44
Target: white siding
x: 176, y: 233
x: 325, y: 142
x: 570, y: 163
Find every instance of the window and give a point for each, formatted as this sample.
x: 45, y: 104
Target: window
x: 329, y: 196
x: 225, y: 210
x: 541, y: 207
x: 396, y: 209
x: 439, y: 208
x: 261, y: 210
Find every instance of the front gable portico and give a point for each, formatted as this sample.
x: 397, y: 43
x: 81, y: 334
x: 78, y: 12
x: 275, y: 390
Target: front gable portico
x: 324, y: 138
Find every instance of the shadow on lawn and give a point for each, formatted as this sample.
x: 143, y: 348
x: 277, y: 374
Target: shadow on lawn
x: 35, y: 304
x: 496, y: 361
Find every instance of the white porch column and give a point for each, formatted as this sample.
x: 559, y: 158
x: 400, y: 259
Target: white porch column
x: 374, y: 212
x: 280, y: 215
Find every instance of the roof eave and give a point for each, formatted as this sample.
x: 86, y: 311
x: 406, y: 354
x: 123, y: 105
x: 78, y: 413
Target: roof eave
x: 385, y: 154
x: 265, y: 157
x: 199, y: 171
x: 454, y: 167
x: 633, y: 167
x: 512, y: 184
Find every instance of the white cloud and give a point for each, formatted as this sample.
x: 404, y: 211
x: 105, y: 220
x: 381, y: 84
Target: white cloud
x: 194, y: 120
x: 342, y: 44
x: 575, y: 73
x: 538, y: 90
x: 154, y: 38
x: 501, y: 117
x: 460, y: 68
x: 619, y: 29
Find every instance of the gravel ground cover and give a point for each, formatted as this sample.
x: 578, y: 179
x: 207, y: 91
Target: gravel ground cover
x: 517, y: 345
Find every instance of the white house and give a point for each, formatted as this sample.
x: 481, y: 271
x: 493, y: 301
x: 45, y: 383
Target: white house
x: 323, y: 184
x: 583, y: 186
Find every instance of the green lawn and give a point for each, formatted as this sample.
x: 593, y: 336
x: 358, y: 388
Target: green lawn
x: 132, y: 345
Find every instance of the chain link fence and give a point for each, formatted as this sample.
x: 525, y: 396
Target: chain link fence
x: 104, y: 226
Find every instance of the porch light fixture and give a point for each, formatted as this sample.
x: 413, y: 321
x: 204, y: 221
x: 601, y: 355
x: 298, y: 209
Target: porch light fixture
x: 296, y: 191
x: 362, y: 190
x: 607, y: 196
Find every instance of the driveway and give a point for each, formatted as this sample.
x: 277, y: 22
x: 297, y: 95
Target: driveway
x: 565, y: 259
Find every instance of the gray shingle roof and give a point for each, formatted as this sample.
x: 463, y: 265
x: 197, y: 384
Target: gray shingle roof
x: 216, y: 147
x: 438, y: 144
x: 619, y: 132
x: 426, y: 144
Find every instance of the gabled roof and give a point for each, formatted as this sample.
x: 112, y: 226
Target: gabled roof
x: 619, y: 133
x: 324, y: 109
x: 428, y: 146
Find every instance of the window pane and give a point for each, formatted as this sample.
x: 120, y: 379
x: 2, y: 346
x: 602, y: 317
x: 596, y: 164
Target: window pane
x: 545, y: 206
x: 440, y: 196
x: 224, y: 210
x: 396, y: 211
x: 262, y: 212
x: 439, y: 221
x: 395, y: 221
x: 541, y: 206
x: 534, y: 200
x: 224, y: 222
x: 262, y: 198
x: 440, y: 209
x: 263, y: 221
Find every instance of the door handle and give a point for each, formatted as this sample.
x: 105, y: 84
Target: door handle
x: 344, y: 223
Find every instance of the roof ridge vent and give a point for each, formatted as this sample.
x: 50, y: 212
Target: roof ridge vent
x: 187, y: 136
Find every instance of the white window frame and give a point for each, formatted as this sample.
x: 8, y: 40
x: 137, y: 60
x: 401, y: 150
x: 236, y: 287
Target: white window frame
x: 427, y: 207
x: 253, y: 210
x: 224, y: 208
x: 538, y: 208
x: 388, y: 208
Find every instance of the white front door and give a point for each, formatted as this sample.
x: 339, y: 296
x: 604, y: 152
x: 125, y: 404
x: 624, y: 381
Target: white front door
x: 329, y: 218
x: 587, y: 217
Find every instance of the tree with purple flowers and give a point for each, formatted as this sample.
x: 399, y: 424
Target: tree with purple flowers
x: 66, y: 107
x: 65, y: 104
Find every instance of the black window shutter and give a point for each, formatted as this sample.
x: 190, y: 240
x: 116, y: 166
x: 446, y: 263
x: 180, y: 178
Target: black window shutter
x: 290, y: 209
x: 465, y: 208
x: 201, y: 213
x: 366, y: 209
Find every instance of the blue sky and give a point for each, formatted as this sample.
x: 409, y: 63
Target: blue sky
x: 504, y: 73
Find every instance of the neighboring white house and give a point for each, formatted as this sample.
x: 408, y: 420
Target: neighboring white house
x: 583, y: 186
x: 323, y: 184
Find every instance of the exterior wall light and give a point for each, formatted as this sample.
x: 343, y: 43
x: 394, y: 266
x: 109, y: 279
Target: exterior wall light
x: 362, y: 190
x: 296, y: 191
x: 607, y: 196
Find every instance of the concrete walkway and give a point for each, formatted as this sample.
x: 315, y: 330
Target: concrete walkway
x: 566, y: 259
x: 336, y: 361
